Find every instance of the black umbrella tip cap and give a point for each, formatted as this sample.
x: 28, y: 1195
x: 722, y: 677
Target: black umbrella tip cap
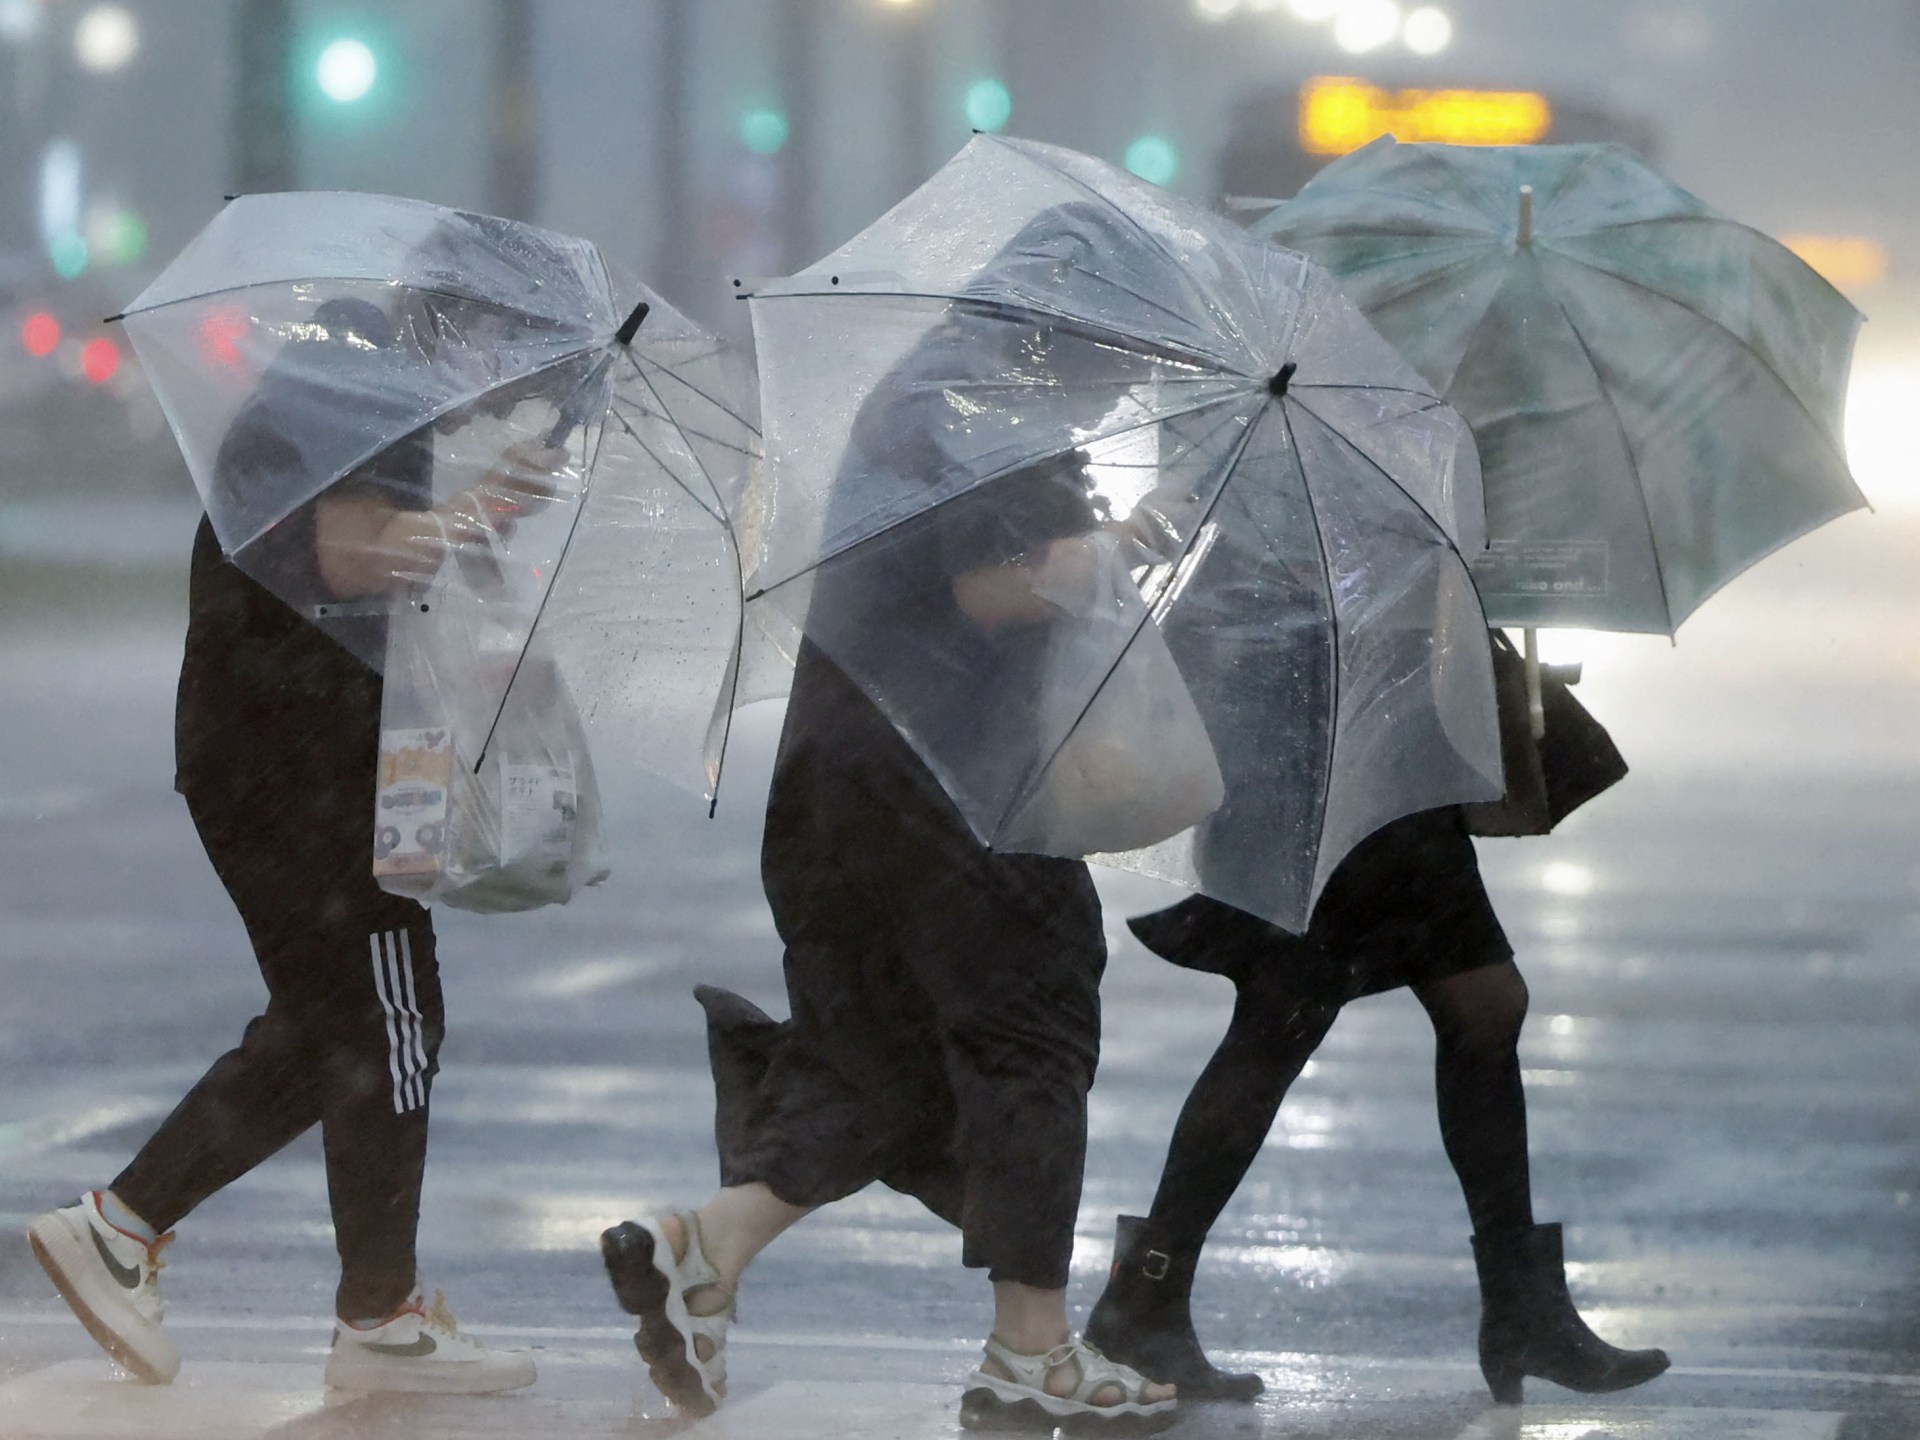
x: 1277, y: 386
x: 630, y: 327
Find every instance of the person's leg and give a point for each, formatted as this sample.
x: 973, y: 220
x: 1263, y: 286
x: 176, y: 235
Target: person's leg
x: 1477, y: 1016
x: 378, y: 1052
x: 1144, y: 1317
x: 678, y: 1275
x: 1528, y: 1323
x: 1231, y: 1108
x: 260, y: 1096
x: 735, y: 1226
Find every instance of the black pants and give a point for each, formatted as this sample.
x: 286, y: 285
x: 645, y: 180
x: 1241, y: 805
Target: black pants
x: 945, y: 1000
x: 348, y: 1040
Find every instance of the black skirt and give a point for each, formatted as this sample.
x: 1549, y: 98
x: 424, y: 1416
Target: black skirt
x: 945, y: 1000
x: 1406, y: 907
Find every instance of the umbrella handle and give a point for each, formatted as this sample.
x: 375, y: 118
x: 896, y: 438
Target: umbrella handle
x: 1536, y: 708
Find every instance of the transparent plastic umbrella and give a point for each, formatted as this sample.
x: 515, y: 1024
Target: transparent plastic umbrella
x: 1656, y: 390
x: 301, y: 341
x: 1037, y: 373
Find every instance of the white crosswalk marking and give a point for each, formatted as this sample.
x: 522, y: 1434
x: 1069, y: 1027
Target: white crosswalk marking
x: 1597, y: 1422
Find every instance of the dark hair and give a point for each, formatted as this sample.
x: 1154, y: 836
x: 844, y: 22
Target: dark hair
x: 361, y: 318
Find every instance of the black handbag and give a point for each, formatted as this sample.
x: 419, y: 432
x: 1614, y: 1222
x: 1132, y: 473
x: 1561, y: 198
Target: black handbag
x: 1547, y: 779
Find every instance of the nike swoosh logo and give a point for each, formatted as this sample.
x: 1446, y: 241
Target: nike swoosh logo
x: 127, y: 1276
x: 411, y: 1351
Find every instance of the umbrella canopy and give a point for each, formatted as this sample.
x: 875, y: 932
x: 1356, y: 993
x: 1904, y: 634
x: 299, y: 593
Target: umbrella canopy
x: 1036, y: 369
x: 304, y: 341
x: 1656, y: 390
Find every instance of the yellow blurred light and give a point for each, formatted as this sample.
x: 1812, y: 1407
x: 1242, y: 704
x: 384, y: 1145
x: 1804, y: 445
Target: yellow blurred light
x: 1339, y: 113
x: 1847, y: 262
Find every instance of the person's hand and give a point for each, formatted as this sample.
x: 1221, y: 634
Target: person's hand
x: 526, y: 476
x: 1161, y: 524
x: 1061, y: 580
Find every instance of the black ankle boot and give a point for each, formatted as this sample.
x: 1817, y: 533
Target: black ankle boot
x: 1143, y: 1319
x: 1528, y: 1325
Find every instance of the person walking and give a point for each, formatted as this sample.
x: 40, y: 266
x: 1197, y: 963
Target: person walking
x: 277, y: 737
x: 1406, y: 908
x: 945, y: 998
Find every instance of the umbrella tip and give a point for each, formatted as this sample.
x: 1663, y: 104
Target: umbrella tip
x: 1277, y: 386
x: 631, y: 325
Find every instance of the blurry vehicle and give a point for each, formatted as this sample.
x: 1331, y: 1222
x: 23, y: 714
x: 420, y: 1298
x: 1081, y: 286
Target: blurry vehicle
x: 73, y: 404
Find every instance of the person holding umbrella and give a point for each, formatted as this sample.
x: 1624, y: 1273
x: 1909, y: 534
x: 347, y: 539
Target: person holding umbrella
x: 277, y: 731
x: 975, y: 586
x: 945, y: 997
x: 1656, y: 392
x: 1406, y: 908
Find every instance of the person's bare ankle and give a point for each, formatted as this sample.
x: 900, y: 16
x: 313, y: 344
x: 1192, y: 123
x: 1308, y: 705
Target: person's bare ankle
x: 1032, y: 1339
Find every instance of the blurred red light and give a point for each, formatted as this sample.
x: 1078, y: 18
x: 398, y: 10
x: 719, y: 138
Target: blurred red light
x: 99, y: 359
x: 40, y: 332
x: 220, y: 332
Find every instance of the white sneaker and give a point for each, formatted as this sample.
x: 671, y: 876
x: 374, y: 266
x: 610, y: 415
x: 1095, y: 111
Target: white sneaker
x: 421, y: 1351
x: 111, y: 1280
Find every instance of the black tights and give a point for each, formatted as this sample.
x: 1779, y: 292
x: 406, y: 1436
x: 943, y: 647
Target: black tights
x: 1483, y: 1110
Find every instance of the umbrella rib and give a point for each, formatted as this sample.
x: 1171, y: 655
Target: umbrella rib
x: 573, y: 529
x: 667, y: 470
x: 719, y: 513
x: 1626, y: 443
x: 686, y: 429
x: 1361, y: 385
x: 717, y: 403
x: 720, y: 504
x: 1179, y: 266
x: 1707, y: 319
x: 1385, y: 474
x: 444, y: 294
x: 1333, y: 633
x: 1027, y: 791
x: 1016, y: 310
x: 1004, y: 471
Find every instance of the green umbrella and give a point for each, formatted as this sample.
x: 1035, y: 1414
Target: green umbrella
x: 1656, y: 390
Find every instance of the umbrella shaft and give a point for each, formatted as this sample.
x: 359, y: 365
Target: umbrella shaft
x: 1536, y: 709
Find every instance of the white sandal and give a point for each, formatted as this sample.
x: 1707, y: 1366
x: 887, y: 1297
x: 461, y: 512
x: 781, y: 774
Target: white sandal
x: 993, y: 1402
x: 654, y: 1286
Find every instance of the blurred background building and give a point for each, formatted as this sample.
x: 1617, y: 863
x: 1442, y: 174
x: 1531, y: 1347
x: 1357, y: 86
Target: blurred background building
x: 702, y: 140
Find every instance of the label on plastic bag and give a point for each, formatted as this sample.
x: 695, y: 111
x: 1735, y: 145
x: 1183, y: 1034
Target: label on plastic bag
x: 537, y: 808
x: 411, y: 805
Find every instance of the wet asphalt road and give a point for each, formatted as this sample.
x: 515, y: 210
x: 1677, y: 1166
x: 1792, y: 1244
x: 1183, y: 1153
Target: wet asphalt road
x: 1721, y: 1061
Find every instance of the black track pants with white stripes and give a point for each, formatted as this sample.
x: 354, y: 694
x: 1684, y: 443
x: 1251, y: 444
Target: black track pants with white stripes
x: 348, y: 1039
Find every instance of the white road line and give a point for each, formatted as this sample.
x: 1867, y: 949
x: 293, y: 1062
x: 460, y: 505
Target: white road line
x: 1632, y: 1422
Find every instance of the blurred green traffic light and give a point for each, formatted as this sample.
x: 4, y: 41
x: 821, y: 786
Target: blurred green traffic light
x: 69, y: 256
x: 763, y: 131
x: 1153, y: 159
x: 988, y: 104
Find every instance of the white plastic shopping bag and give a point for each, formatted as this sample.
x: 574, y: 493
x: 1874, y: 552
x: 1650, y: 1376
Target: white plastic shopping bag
x: 1136, y: 765
x: 483, y: 805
